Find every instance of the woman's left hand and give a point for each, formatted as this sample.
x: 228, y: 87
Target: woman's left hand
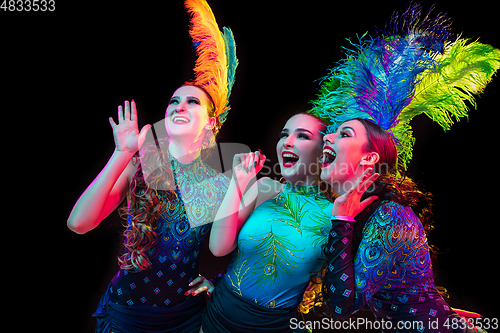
x: 200, y: 285
x: 350, y: 204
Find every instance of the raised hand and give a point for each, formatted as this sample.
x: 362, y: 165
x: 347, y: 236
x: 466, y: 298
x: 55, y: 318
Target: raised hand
x: 247, y: 166
x: 350, y: 204
x: 126, y: 132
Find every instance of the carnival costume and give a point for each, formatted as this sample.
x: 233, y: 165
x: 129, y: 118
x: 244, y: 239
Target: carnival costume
x: 410, y: 68
x: 153, y: 299
x: 279, y: 248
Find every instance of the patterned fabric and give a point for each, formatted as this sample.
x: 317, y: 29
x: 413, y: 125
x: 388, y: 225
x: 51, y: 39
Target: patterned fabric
x: 184, y: 222
x: 279, y: 247
x: 391, y: 272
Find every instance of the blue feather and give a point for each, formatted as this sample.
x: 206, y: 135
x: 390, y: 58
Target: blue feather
x: 385, y: 72
x: 430, y: 32
x: 377, y: 78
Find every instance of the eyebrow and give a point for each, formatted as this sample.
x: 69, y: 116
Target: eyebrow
x: 346, y: 127
x: 298, y: 130
x: 187, y: 97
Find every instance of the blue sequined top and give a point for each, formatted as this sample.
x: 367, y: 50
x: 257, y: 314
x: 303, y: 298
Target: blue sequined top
x: 279, y: 247
x: 391, y: 272
x: 184, y: 222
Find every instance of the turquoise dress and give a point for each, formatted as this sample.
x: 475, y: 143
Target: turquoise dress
x: 280, y: 247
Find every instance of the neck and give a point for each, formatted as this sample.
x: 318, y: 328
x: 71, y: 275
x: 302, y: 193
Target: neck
x: 308, y: 181
x: 185, y: 151
x: 342, y: 187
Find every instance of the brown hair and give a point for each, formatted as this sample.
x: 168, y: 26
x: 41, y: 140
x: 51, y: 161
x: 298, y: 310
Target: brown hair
x: 393, y: 183
x: 144, y: 206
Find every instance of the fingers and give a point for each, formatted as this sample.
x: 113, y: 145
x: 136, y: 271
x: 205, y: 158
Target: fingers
x: 465, y: 313
x: 365, y: 203
x: 202, y: 284
x: 127, y: 110
x: 365, y: 181
x: 251, y: 162
x: 120, y: 114
x: 112, y: 122
x: 248, y: 163
x: 133, y: 116
x: 142, y: 135
x: 262, y: 159
x: 197, y: 280
x: 368, y: 182
x: 195, y: 291
x: 130, y: 112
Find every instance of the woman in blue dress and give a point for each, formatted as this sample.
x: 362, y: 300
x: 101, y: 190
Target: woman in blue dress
x: 382, y: 258
x: 172, y: 196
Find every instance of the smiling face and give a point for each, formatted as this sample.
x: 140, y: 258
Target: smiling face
x: 345, y: 157
x: 187, y: 113
x: 299, y: 149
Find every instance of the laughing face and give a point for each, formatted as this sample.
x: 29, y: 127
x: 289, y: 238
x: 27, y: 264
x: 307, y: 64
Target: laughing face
x: 299, y: 149
x: 344, y: 157
x: 187, y: 113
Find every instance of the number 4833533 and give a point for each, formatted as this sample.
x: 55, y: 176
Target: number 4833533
x: 28, y: 5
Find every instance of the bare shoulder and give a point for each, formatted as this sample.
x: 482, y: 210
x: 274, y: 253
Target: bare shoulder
x: 267, y: 189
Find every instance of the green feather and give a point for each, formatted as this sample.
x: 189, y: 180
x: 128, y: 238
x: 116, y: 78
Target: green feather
x: 464, y: 71
x: 232, y: 63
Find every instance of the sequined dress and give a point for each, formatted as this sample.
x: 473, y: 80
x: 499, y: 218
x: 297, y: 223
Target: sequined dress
x: 185, y: 220
x: 391, y: 272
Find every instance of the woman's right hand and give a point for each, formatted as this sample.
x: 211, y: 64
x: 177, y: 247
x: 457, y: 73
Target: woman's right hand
x: 126, y: 132
x: 350, y: 204
x: 247, y: 166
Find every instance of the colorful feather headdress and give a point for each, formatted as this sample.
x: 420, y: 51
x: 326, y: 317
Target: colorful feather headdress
x: 410, y: 68
x: 216, y: 63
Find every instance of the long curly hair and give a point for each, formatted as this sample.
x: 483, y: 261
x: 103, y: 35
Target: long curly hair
x: 392, y: 184
x: 152, y: 187
x: 145, y: 201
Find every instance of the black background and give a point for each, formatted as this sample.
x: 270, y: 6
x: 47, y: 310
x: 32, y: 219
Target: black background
x: 65, y: 72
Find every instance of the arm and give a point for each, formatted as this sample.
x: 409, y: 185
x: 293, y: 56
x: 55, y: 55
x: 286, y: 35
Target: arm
x: 109, y: 188
x: 103, y: 195
x: 374, y: 261
x: 340, y: 269
x: 236, y: 207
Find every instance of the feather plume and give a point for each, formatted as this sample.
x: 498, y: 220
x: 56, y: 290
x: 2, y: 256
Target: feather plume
x: 430, y: 32
x: 377, y: 79
x: 464, y: 71
x: 232, y: 63
x: 216, y: 62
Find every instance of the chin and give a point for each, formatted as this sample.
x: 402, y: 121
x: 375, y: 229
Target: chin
x: 179, y: 131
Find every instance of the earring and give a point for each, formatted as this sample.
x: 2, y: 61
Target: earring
x: 206, y: 140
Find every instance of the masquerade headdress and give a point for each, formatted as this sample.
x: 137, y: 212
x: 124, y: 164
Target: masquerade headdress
x: 410, y: 68
x: 216, y: 63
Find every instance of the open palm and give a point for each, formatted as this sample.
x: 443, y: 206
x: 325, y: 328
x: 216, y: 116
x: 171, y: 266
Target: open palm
x: 126, y: 132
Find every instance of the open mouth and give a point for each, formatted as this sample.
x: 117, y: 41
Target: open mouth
x: 180, y: 120
x: 289, y: 159
x: 328, y: 157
